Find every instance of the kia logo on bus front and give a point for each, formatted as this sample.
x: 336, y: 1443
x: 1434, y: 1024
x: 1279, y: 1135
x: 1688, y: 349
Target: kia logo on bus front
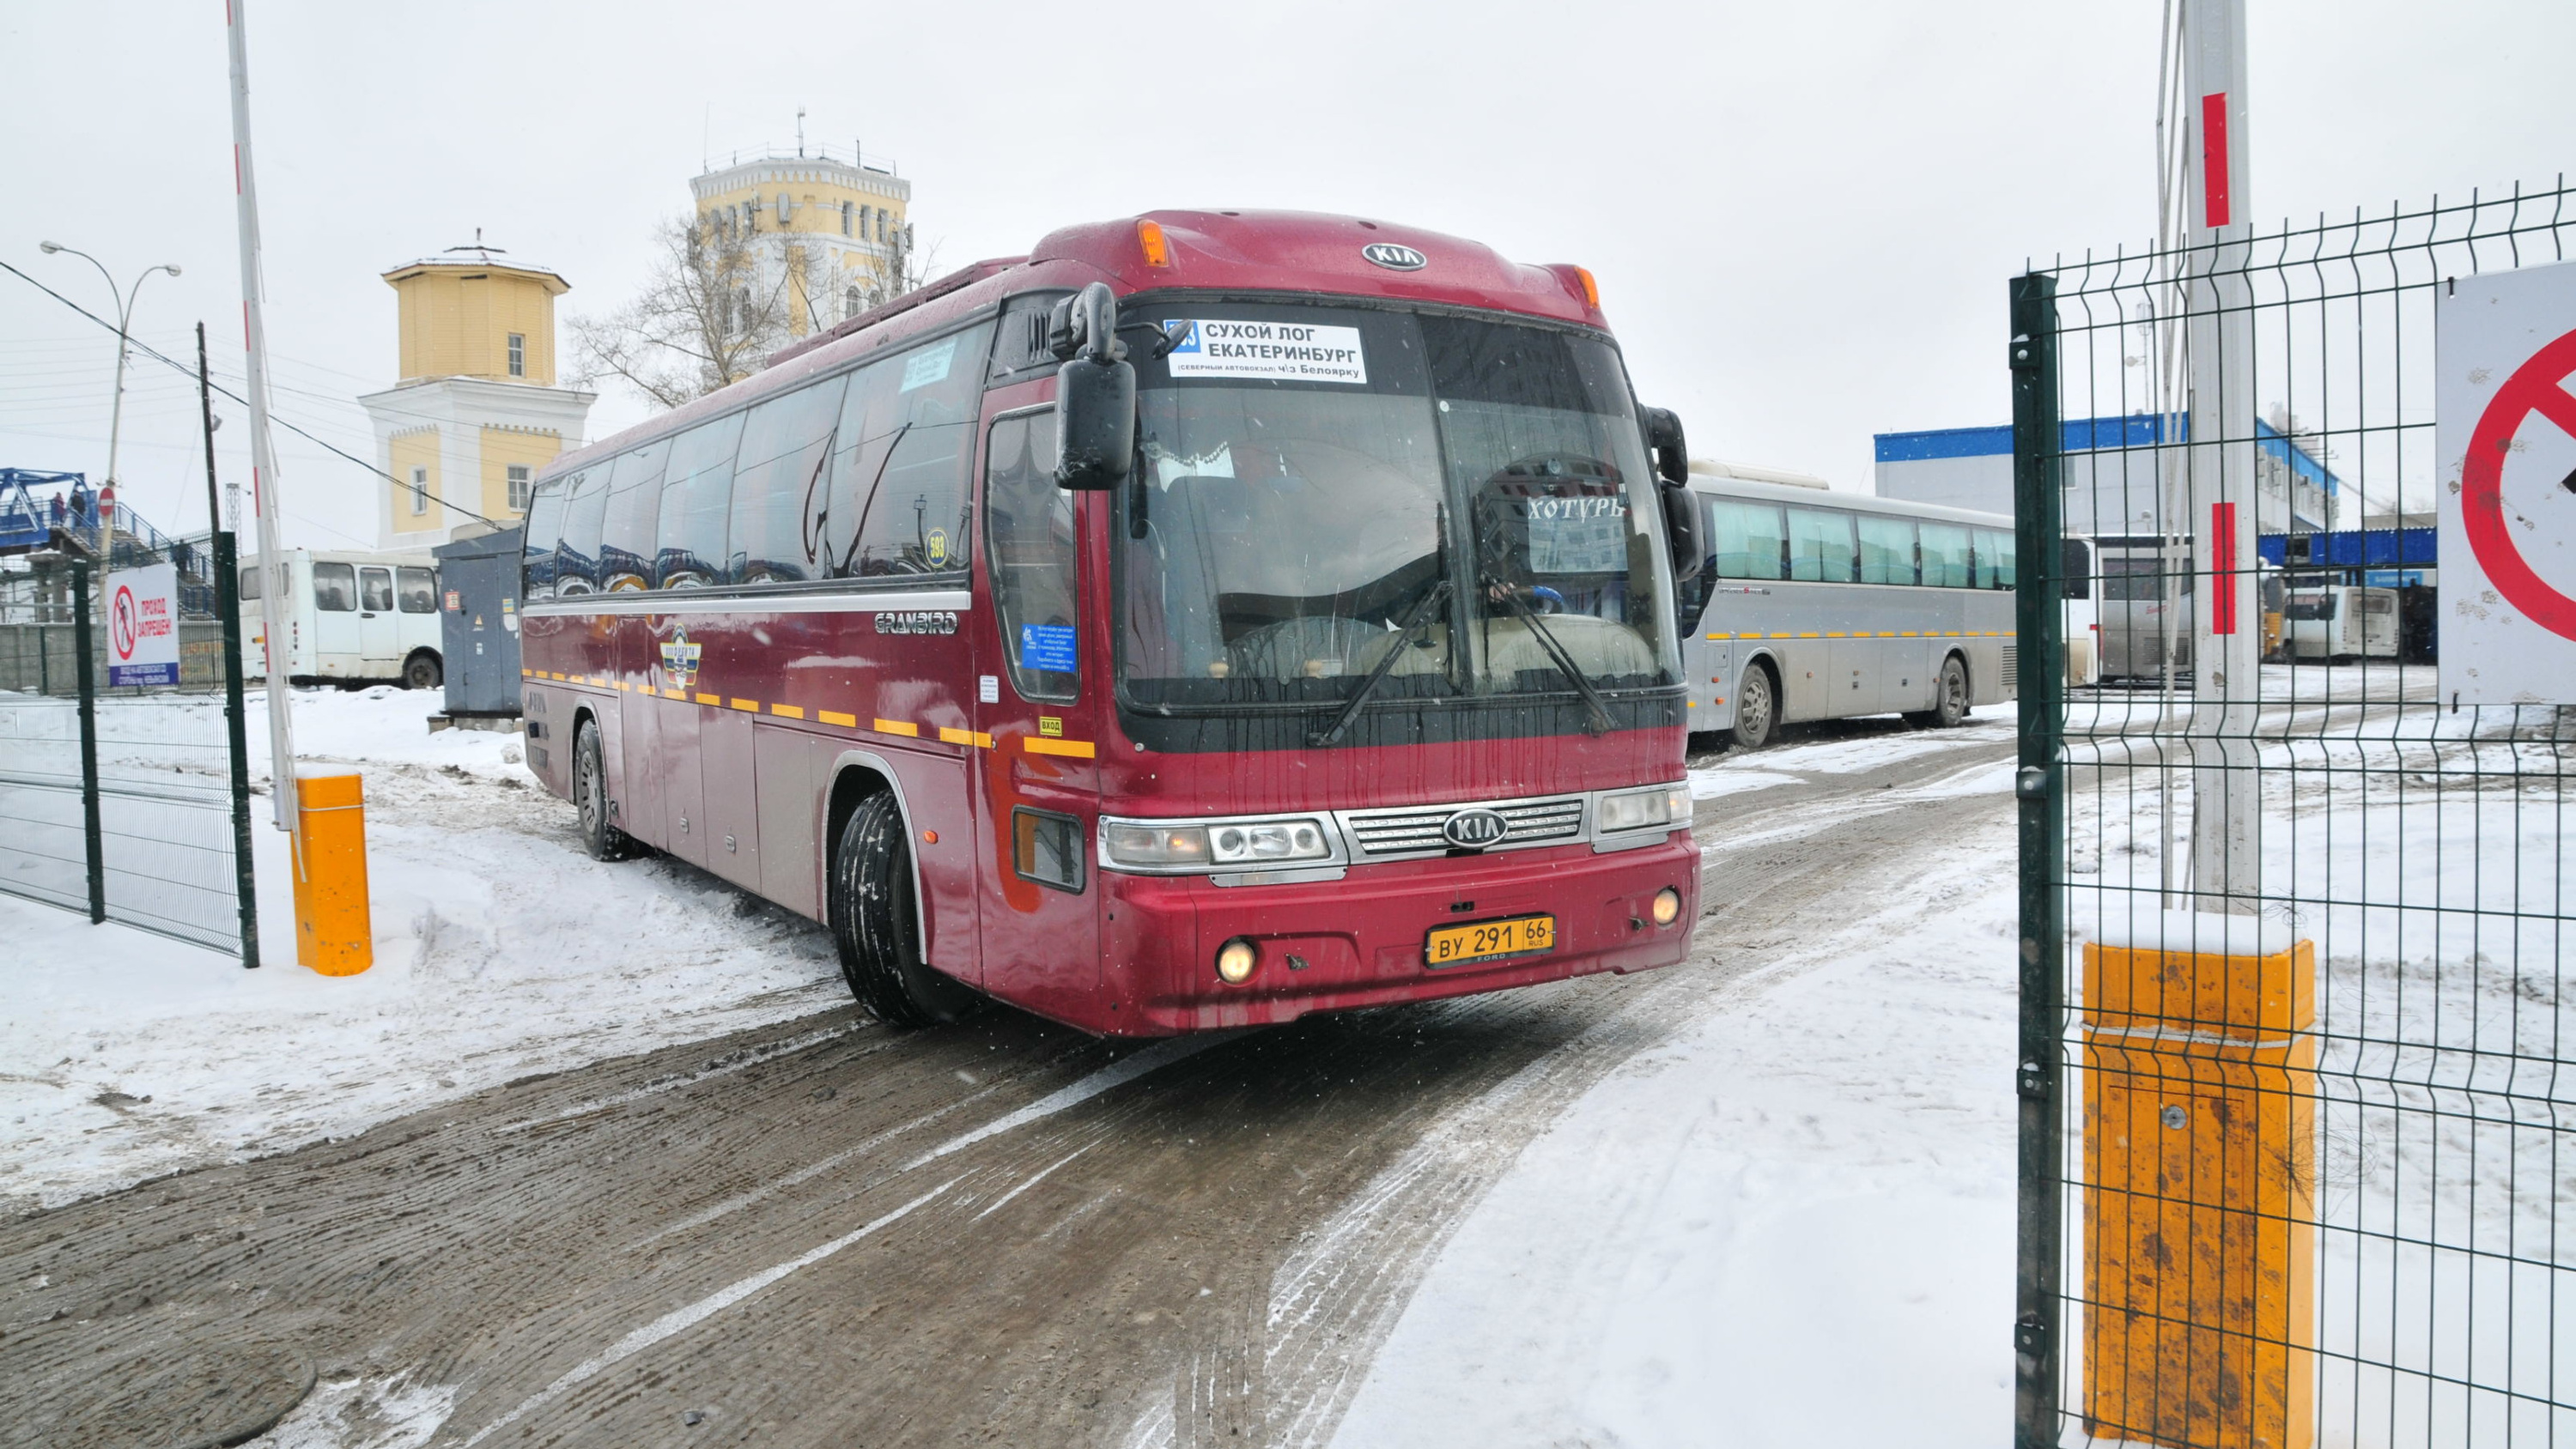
x: 1395, y: 258
x: 1475, y: 829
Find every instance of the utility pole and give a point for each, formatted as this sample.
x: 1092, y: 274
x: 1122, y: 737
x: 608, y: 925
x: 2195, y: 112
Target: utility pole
x: 263, y: 457
x: 2227, y: 627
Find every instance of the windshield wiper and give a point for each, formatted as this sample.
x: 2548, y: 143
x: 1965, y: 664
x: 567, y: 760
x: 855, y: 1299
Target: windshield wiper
x: 1596, y: 710
x: 1422, y: 614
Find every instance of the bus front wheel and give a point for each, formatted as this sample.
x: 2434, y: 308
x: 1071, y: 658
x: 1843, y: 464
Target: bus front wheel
x: 602, y: 840
x: 1757, y: 710
x: 421, y: 670
x: 876, y: 923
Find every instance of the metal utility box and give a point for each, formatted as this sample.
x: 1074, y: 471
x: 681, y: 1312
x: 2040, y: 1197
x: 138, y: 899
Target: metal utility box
x: 478, y: 601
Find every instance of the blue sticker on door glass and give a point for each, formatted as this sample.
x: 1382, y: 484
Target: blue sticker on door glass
x: 1047, y: 646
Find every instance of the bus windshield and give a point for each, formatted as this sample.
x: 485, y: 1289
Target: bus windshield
x: 1324, y: 488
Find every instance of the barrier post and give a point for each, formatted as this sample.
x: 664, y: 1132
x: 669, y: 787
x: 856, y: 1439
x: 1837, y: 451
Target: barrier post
x: 2200, y: 1097
x: 333, y: 931
x: 88, y: 677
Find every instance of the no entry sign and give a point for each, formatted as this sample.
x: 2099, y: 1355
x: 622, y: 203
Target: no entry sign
x: 2505, y: 420
x: 143, y: 626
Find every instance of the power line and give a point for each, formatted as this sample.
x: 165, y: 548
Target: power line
x: 173, y: 364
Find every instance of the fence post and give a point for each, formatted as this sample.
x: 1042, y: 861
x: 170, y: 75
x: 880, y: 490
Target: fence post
x: 89, y: 743
x: 236, y: 738
x: 2039, y: 784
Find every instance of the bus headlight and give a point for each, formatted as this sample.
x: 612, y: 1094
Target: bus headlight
x: 1668, y: 906
x: 1235, y: 960
x: 1156, y: 845
x: 1205, y: 844
x: 1269, y: 840
x: 1666, y: 805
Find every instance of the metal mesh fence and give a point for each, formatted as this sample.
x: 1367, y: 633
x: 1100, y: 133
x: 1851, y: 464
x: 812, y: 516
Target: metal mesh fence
x: 128, y: 804
x: 2299, y: 1140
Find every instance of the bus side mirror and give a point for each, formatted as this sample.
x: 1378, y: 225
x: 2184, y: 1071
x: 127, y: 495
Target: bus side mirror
x: 1672, y: 472
x: 1095, y: 394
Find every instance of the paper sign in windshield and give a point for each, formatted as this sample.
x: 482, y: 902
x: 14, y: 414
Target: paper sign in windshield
x: 1587, y: 535
x: 1278, y: 351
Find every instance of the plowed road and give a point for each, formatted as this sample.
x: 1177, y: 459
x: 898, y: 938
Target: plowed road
x: 831, y: 1234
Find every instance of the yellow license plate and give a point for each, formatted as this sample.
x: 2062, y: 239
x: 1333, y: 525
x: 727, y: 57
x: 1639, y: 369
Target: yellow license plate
x: 1520, y: 936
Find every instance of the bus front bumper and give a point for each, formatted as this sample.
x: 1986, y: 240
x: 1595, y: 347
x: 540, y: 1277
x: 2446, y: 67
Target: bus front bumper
x: 1362, y: 940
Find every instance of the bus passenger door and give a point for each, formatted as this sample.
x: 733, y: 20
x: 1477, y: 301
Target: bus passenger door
x: 1038, y: 700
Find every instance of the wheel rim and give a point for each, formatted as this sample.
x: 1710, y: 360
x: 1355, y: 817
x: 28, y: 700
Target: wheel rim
x: 1754, y: 703
x: 1954, y: 688
x: 589, y: 787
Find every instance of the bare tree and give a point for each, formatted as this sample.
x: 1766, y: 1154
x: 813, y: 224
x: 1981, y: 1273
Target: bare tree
x: 825, y: 295
x: 708, y: 316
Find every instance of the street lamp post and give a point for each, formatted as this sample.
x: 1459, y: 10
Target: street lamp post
x: 124, y: 317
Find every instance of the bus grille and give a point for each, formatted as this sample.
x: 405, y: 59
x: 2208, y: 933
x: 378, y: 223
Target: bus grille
x: 1382, y: 833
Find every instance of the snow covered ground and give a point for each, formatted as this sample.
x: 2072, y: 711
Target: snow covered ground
x: 501, y: 952
x: 1800, y: 1210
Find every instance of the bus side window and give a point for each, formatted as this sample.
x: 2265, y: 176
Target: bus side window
x: 249, y: 583
x: 544, y: 531
x: 1821, y: 548
x: 1745, y: 540
x: 697, y: 492
x: 585, y: 510
x: 916, y: 448
x: 1028, y: 523
x: 2075, y: 574
x: 418, y: 590
x: 376, y: 590
x: 335, y: 588
x: 777, y: 491
x: 1995, y: 564
x: 626, y: 535
x: 1886, y: 550
x: 1945, y: 556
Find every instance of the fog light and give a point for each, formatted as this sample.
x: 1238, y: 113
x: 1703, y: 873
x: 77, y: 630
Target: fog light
x: 1668, y: 906
x: 1235, y: 960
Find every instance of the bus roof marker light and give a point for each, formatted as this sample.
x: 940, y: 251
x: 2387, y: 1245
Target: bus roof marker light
x: 1158, y: 250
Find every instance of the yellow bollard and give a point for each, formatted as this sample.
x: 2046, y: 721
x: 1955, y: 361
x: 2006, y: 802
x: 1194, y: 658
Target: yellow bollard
x: 333, y: 932
x: 2199, y: 1231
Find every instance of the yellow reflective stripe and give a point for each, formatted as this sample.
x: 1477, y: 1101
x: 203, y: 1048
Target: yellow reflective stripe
x: 835, y: 717
x: 1078, y: 749
x: 789, y: 710
x: 711, y: 699
x: 748, y: 706
x: 898, y: 727
x: 977, y: 738
x: 673, y: 693
x: 625, y: 685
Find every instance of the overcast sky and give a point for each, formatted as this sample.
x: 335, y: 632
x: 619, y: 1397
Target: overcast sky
x: 1803, y: 216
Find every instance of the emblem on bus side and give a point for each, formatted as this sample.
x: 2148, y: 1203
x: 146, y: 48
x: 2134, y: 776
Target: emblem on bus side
x: 1476, y: 829
x: 680, y: 659
x: 1394, y: 257
x: 922, y: 621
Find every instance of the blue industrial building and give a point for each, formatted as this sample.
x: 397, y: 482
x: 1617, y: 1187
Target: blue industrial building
x: 2110, y: 469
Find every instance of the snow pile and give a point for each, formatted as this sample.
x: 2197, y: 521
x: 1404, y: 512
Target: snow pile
x: 501, y: 951
x: 1800, y: 1210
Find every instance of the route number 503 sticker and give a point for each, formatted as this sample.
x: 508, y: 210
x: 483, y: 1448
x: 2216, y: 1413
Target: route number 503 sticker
x: 2505, y: 419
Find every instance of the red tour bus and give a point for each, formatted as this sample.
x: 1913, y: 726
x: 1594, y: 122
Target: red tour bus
x: 1204, y: 620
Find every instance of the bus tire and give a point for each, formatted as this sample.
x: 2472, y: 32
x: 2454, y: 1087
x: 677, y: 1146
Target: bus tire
x: 875, y: 922
x: 422, y: 671
x: 1949, y: 702
x: 1757, y: 709
x: 602, y: 840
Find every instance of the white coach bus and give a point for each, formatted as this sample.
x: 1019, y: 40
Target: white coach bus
x: 1820, y: 605
x: 349, y: 617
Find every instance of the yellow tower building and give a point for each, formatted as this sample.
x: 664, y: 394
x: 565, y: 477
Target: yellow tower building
x: 832, y: 235
x: 476, y: 412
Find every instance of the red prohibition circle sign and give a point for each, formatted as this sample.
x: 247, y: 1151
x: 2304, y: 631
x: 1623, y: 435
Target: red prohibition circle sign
x: 2535, y: 387
x: 120, y: 622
